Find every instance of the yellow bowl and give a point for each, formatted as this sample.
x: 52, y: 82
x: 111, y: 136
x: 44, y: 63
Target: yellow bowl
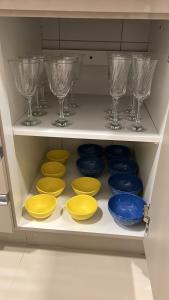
x: 53, y: 169
x: 41, y: 206
x: 58, y: 155
x: 86, y: 185
x: 81, y: 207
x: 50, y: 185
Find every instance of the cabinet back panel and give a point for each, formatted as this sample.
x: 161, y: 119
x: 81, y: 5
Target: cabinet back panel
x: 95, y: 34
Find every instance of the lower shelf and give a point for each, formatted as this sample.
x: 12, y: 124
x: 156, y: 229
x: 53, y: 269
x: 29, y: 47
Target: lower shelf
x: 101, y: 224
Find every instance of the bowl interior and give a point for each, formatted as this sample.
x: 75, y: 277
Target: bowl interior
x: 82, y: 205
x: 50, y: 184
x: 40, y: 204
x: 57, y: 155
x: 86, y: 184
x: 127, y: 206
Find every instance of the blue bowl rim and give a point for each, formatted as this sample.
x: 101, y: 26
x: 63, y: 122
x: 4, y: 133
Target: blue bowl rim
x: 123, y: 159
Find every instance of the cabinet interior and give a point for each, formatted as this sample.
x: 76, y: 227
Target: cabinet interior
x: 25, y: 149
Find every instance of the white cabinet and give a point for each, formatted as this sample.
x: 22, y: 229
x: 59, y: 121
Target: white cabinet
x: 26, y: 146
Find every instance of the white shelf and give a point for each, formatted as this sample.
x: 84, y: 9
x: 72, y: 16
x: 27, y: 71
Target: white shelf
x: 101, y: 224
x: 89, y: 123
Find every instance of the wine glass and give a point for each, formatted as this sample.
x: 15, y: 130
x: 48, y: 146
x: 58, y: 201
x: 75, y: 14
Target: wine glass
x: 118, y: 70
x: 143, y: 71
x: 59, y: 73
x: 26, y: 72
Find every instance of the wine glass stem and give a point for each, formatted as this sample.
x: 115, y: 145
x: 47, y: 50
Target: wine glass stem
x: 71, y: 94
x: 30, y: 108
x: 138, y: 117
x: 37, y: 97
x: 114, y: 111
x: 133, y: 106
x: 61, y: 101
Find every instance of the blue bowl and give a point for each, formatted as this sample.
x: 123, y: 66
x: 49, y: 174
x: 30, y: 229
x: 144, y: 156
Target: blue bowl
x: 126, y: 209
x: 90, y: 151
x: 123, y: 165
x: 91, y: 167
x: 113, y: 151
x: 127, y: 183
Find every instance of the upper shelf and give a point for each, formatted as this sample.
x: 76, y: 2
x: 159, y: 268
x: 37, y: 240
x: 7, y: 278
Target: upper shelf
x: 89, y: 123
x: 79, y: 8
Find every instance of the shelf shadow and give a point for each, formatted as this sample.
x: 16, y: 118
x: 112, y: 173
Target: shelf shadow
x: 137, y: 227
x: 96, y: 218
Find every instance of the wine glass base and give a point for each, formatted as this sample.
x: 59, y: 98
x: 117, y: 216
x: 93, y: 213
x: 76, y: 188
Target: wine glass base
x: 39, y: 113
x: 73, y: 105
x: 114, y: 126
x: 137, y: 128
x: 31, y: 122
x: 61, y: 123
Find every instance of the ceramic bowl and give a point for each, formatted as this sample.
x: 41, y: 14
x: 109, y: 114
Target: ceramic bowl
x: 120, y: 182
x: 53, y: 169
x: 126, y: 209
x: 58, y: 155
x: 86, y: 185
x: 114, y: 151
x: 41, y: 206
x: 50, y: 185
x: 90, y: 150
x: 91, y: 167
x: 81, y: 207
x: 123, y: 165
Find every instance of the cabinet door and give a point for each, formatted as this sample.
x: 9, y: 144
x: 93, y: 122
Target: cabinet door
x: 156, y: 241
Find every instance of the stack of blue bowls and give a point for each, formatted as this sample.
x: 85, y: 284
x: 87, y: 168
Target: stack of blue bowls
x: 123, y: 170
x: 91, y: 162
x: 125, y: 206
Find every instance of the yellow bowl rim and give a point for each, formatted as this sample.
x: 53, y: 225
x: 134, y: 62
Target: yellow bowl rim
x: 48, y: 177
x: 67, y: 155
x: 41, y: 213
x: 81, y: 214
x: 92, y: 191
x: 58, y: 173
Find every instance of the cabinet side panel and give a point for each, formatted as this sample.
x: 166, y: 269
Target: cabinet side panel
x: 157, y: 104
x: 18, y: 37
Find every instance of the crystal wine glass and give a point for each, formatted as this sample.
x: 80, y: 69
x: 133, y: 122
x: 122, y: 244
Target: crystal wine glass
x: 143, y: 71
x: 59, y: 73
x: 118, y: 70
x: 26, y: 72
